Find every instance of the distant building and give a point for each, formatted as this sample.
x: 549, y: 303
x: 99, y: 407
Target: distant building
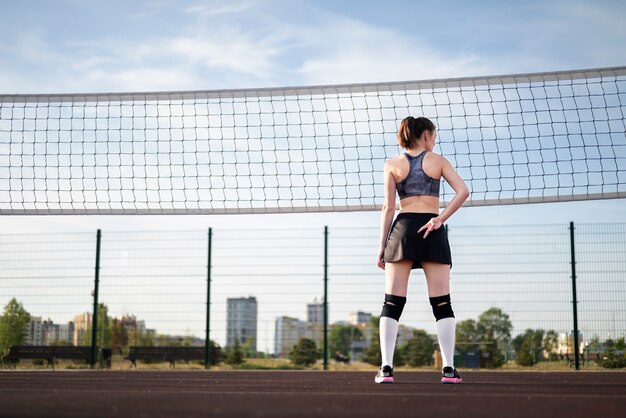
x: 66, y: 332
x: 34, y: 331
x: 362, y: 321
x: 314, y: 331
x: 315, y: 312
x: 130, y: 324
x: 82, y: 322
x: 50, y: 332
x: 241, y: 322
x: 357, y: 318
x: 287, y: 332
x: 127, y: 331
x: 405, y: 334
x: 566, y: 343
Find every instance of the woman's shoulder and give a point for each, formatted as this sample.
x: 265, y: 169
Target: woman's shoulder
x: 434, y: 163
x: 395, y: 161
x: 433, y: 156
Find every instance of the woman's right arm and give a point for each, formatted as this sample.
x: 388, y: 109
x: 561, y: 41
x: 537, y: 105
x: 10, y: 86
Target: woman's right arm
x: 389, y: 209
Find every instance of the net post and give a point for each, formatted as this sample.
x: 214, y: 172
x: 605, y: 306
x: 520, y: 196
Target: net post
x: 94, y: 319
x: 207, y: 335
x: 574, y: 300
x: 326, y: 298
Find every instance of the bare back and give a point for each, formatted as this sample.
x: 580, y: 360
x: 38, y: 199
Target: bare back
x: 433, y: 166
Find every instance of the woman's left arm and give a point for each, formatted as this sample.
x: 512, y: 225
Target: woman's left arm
x: 458, y: 185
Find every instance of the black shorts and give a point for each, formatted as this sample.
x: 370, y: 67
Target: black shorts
x: 405, y: 243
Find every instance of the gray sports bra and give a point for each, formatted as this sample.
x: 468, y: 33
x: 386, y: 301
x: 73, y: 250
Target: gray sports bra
x: 417, y: 182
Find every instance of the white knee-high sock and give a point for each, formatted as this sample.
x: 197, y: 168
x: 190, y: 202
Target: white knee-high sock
x: 445, y: 334
x: 388, y: 329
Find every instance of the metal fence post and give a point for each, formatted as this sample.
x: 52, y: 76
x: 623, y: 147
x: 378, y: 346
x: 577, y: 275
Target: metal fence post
x: 94, y: 320
x: 326, y: 298
x: 208, y: 304
x: 574, y: 300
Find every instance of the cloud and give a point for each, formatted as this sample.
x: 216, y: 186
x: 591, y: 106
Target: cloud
x: 142, y: 79
x: 149, y: 9
x: 200, y: 60
x: 248, y: 46
x: 229, y: 50
x: 557, y: 35
x: 15, y: 83
x: 350, y: 51
x: 212, y: 10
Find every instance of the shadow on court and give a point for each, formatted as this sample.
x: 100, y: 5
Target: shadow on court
x: 86, y: 393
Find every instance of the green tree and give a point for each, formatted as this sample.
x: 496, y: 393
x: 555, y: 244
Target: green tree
x: 551, y: 344
x: 419, y: 350
x: 146, y: 338
x: 120, y: 337
x: 529, y: 347
x: 494, y: 325
x: 372, y: 353
x: 341, y: 338
x: 235, y: 354
x: 13, y: 323
x: 134, y: 336
x: 399, y: 356
x: 609, y: 358
x: 304, y: 353
x: 60, y: 343
x: 248, y: 348
x: 104, y: 330
x: 215, y: 353
x: 466, y: 335
x: 594, y: 344
x: 494, y: 334
x: 187, y: 341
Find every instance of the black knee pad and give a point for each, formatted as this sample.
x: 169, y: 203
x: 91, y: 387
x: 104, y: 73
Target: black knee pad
x: 442, y: 307
x: 393, y: 306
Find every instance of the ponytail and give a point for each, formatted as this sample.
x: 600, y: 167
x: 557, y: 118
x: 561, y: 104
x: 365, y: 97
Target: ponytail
x: 411, y: 130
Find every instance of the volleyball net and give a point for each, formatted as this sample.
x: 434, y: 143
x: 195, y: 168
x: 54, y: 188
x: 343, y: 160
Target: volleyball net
x: 525, y: 138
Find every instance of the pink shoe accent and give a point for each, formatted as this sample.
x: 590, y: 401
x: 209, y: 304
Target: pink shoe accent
x: 451, y: 380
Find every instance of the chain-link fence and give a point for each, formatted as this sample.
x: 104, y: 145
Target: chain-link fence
x: 260, y: 291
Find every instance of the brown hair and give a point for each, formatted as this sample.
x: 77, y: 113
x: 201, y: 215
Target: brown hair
x: 411, y: 130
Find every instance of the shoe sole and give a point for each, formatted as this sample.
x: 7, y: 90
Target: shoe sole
x: 451, y: 380
x: 383, y: 380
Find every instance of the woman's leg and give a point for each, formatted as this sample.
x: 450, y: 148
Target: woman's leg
x: 396, y: 286
x: 437, y: 278
x: 438, y: 282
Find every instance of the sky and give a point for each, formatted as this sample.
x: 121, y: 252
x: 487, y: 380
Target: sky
x: 88, y: 46
x: 119, y: 46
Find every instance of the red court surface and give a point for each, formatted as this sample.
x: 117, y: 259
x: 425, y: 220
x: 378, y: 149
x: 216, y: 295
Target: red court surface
x: 151, y: 393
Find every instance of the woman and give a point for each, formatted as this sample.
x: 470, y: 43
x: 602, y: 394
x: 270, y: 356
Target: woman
x: 417, y: 239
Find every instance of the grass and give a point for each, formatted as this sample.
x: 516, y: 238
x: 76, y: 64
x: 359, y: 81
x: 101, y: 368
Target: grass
x: 119, y: 363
